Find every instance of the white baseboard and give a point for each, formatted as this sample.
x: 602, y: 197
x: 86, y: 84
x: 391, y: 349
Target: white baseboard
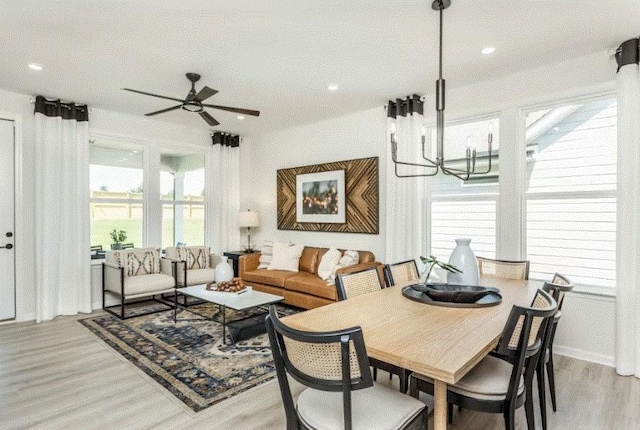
x: 580, y: 354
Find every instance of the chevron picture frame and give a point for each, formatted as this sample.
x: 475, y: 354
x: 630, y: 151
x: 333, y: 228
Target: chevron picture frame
x: 361, y: 196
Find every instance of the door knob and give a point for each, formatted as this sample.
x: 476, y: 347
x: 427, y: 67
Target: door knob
x: 9, y: 234
x: 8, y: 246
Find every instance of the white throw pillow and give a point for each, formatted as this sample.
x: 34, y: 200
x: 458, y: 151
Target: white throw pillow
x: 266, y: 254
x: 328, y: 263
x: 349, y: 258
x: 286, y: 257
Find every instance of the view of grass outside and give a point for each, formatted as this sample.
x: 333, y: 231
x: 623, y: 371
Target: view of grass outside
x: 100, y: 229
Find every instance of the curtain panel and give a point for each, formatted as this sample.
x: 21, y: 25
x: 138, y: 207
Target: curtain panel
x: 406, y: 219
x: 63, y: 285
x: 224, y: 205
x: 628, y: 224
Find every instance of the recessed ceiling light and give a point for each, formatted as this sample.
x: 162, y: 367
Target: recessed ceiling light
x: 488, y: 50
x: 240, y: 117
x: 332, y: 87
x: 35, y: 66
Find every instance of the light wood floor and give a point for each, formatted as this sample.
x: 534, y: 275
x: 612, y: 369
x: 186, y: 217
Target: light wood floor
x: 58, y: 375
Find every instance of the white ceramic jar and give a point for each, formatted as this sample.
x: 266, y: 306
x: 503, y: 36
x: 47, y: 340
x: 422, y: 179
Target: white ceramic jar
x: 463, y: 259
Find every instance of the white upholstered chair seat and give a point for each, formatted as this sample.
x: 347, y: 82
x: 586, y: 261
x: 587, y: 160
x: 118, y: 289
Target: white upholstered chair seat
x: 488, y: 380
x: 377, y: 407
x: 196, y: 276
x: 147, y: 284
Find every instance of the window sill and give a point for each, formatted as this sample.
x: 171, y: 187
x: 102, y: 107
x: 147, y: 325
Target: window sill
x: 592, y: 290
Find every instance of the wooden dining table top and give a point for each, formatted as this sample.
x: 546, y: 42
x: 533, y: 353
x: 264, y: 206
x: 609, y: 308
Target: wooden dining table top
x: 443, y: 343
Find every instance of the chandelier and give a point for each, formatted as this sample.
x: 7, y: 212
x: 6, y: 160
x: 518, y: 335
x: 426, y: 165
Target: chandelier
x: 433, y: 167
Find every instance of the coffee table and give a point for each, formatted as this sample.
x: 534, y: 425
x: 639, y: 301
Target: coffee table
x: 237, y: 302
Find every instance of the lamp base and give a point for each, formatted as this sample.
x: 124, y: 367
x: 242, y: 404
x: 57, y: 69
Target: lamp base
x: 249, y: 250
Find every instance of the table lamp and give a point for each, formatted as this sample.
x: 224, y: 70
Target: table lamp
x: 248, y: 219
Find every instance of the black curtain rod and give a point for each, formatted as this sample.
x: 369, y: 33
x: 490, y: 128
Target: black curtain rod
x: 53, y: 108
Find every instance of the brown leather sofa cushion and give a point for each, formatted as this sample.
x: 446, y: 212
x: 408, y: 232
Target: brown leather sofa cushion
x: 309, y: 260
x: 276, y: 278
x: 311, y: 284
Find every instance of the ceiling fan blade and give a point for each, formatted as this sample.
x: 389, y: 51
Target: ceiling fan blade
x: 210, y: 120
x: 236, y: 110
x: 163, y: 110
x: 153, y: 95
x: 205, y: 93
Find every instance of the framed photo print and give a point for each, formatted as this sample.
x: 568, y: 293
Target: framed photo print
x: 321, y: 198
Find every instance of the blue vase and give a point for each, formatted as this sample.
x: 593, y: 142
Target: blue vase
x: 463, y: 259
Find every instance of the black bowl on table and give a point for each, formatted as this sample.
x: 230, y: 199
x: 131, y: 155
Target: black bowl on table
x: 455, y: 293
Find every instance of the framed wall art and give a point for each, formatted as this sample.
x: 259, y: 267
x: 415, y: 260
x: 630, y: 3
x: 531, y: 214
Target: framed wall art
x: 341, y: 196
x: 320, y: 197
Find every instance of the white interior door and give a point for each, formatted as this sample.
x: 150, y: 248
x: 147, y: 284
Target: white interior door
x: 7, y: 203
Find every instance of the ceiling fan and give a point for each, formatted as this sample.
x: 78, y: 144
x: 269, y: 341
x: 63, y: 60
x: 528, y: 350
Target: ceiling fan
x: 193, y: 102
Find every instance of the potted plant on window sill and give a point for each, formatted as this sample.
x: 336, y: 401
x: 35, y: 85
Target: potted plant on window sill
x: 118, y: 237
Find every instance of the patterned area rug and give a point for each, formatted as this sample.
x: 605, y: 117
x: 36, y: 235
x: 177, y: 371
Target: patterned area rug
x: 189, y: 358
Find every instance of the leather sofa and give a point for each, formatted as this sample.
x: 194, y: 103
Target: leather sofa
x: 304, y: 289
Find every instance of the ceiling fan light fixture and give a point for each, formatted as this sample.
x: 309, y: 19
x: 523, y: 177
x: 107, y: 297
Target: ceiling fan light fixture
x: 192, y: 107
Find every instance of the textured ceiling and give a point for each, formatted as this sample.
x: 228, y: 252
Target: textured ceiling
x: 278, y: 56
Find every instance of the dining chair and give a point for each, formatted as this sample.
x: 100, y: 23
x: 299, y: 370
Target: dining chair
x: 364, y: 282
x: 340, y: 392
x: 401, y: 273
x: 559, y: 286
x: 502, y: 381
x: 505, y: 269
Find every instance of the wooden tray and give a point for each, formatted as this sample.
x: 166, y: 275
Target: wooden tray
x: 417, y: 294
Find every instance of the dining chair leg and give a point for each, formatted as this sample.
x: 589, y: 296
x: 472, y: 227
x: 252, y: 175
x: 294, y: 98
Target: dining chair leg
x: 509, y: 418
x: 552, y: 382
x: 528, y: 408
x: 450, y: 412
x: 375, y: 373
x: 542, y: 395
x: 404, y: 380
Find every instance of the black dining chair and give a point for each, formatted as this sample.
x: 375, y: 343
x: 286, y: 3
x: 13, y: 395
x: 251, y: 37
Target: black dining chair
x: 340, y: 391
x: 557, y: 288
x: 364, y: 282
x: 401, y: 273
x: 502, y: 381
x: 505, y: 269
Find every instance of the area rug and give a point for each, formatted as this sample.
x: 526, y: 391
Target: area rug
x: 189, y: 358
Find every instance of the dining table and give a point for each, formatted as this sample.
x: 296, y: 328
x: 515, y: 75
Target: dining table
x: 440, y: 342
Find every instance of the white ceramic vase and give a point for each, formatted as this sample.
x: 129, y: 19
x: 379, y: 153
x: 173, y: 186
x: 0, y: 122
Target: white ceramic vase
x: 463, y: 259
x: 224, y: 271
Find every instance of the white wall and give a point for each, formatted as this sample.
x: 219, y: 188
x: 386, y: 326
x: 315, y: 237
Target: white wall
x: 17, y: 107
x: 358, y: 135
x: 587, y: 328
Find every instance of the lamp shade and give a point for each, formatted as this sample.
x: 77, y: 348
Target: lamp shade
x: 248, y: 219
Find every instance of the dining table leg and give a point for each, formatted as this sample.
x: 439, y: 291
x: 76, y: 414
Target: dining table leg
x: 440, y: 405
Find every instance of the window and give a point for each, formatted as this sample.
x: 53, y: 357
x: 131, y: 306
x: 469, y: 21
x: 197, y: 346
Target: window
x: 571, y: 192
x: 465, y: 209
x: 116, y: 199
x: 182, y: 194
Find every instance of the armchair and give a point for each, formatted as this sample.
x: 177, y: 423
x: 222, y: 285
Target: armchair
x: 137, y: 273
x: 195, y: 264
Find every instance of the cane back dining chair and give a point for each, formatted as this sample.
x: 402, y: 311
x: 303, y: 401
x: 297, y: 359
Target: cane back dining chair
x: 557, y: 288
x: 363, y: 282
x: 505, y: 269
x: 401, y: 273
x: 341, y: 393
x: 502, y: 381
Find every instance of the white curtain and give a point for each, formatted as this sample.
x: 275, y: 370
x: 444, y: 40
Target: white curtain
x: 628, y: 225
x: 223, y: 207
x: 406, y: 214
x: 63, y: 259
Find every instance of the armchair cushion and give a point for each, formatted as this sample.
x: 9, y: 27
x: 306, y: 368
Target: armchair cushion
x: 196, y: 257
x: 136, y: 261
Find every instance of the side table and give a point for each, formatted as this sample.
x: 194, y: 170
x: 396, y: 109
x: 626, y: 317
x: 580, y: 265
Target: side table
x: 234, y: 256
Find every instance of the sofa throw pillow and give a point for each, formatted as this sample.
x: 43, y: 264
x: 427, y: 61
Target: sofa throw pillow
x: 349, y: 258
x: 265, y: 254
x: 328, y: 263
x: 285, y: 257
